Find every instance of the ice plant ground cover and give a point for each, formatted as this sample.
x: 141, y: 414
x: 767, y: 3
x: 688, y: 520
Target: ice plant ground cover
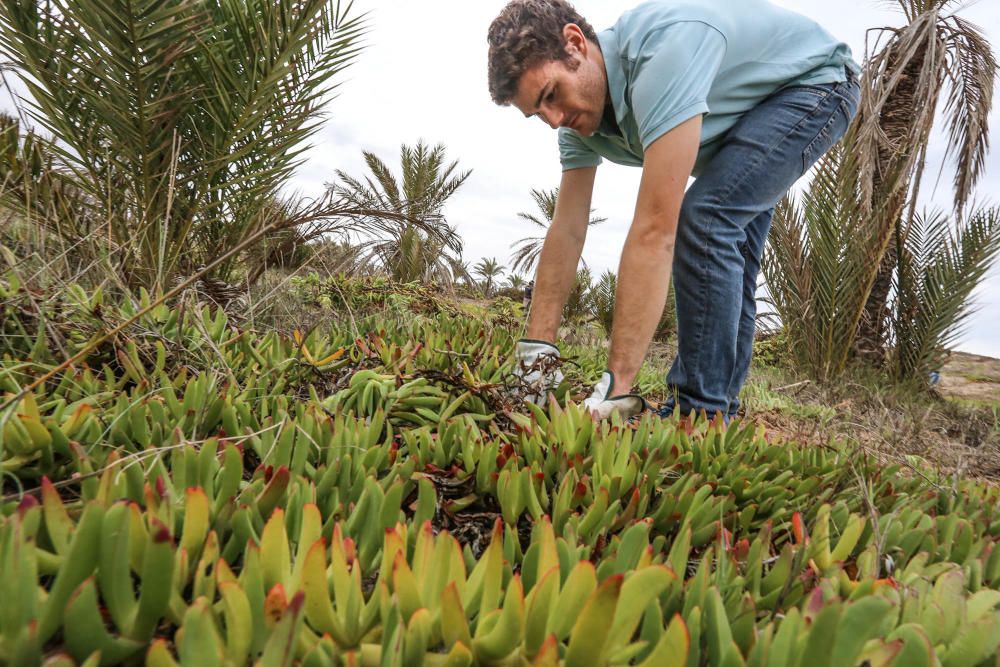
x: 375, y: 493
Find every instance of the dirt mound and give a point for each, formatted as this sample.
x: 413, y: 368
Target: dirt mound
x: 971, y: 377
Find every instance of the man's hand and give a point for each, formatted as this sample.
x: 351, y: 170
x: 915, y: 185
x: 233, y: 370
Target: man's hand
x: 603, y: 402
x: 538, y: 369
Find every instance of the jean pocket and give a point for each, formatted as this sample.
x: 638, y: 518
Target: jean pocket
x: 806, y: 101
x: 819, y: 90
x: 850, y: 93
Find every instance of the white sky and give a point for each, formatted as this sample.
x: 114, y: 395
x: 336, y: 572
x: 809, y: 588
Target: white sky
x: 423, y: 75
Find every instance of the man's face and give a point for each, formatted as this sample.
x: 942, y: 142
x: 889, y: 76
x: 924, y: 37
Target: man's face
x: 566, y: 94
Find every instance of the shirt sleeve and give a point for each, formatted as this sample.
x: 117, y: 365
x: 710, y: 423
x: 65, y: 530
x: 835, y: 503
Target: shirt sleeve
x: 574, y: 153
x: 672, y: 76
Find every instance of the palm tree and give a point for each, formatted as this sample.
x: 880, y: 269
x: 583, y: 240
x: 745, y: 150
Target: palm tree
x: 579, y: 304
x: 528, y: 249
x: 603, y: 299
x: 488, y: 270
x: 602, y: 303
x: 423, y: 246
x: 515, y: 282
x: 460, y: 271
x: 177, y: 122
x: 834, y: 256
x: 936, y: 55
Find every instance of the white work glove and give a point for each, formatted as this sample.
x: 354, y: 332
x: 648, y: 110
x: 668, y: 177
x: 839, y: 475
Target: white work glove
x: 603, y: 403
x: 538, y: 368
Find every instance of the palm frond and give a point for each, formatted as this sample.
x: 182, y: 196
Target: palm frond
x: 940, y: 269
x: 528, y: 249
x: 524, y: 257
x: 819, y: 264
x: 533, y: 219
x: 972, y: 71
x: 385, y: 183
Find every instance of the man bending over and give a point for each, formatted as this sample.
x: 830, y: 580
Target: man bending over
x: 741, y: 94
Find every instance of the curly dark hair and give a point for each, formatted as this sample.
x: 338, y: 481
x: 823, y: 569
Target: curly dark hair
x: 525, y: 34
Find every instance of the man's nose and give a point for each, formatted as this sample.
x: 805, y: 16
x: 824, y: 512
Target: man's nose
x: 553, y: 118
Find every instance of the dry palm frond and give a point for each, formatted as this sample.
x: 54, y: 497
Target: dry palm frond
x: 972, y: 72
x: 891, y: 124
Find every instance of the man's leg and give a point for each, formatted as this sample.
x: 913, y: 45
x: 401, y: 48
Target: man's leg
x: 752, y: 250
x: 760, y: 159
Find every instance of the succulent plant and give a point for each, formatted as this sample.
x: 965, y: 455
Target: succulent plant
x: 386, y: 499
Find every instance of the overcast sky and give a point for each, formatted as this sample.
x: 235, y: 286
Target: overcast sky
x: 423, y: 75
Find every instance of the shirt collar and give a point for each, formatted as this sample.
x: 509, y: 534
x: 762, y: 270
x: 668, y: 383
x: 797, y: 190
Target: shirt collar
x: 616, y: 77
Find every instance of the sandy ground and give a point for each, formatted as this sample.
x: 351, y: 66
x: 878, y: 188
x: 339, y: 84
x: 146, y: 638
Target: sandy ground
x: 971, y: 377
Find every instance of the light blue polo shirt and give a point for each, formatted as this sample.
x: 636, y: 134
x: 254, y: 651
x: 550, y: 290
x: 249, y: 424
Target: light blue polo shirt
x: 670, y: 60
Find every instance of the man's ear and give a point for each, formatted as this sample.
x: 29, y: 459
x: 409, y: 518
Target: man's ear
x: 574, y: 39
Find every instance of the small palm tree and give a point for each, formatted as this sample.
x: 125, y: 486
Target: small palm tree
x: 488, y: 270
x: 460, y: 271
x: 602, y: 303
x: 939, y: 266
x: 603, y: 299
x: 527, y: 250
x: 819, y: 263
x: 515, y: 282
x: 422, y: 247
x: 579, y: 304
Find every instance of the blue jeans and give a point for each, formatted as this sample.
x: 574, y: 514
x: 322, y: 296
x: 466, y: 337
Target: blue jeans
x: 724, y: 221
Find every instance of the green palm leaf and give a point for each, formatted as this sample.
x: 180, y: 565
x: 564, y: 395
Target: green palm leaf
x: 939, y: 268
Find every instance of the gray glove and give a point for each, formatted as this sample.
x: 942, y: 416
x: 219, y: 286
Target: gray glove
x: 603, y: 403
x: 538, y: 368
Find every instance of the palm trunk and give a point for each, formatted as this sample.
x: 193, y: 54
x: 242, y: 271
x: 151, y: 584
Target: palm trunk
x: 895, y: 154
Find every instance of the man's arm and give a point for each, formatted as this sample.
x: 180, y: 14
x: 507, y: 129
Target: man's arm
x: 644, y: 269
x: 561, y: 253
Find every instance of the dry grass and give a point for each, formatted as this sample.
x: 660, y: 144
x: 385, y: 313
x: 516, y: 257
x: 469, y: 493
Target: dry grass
x: 954, y: 436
